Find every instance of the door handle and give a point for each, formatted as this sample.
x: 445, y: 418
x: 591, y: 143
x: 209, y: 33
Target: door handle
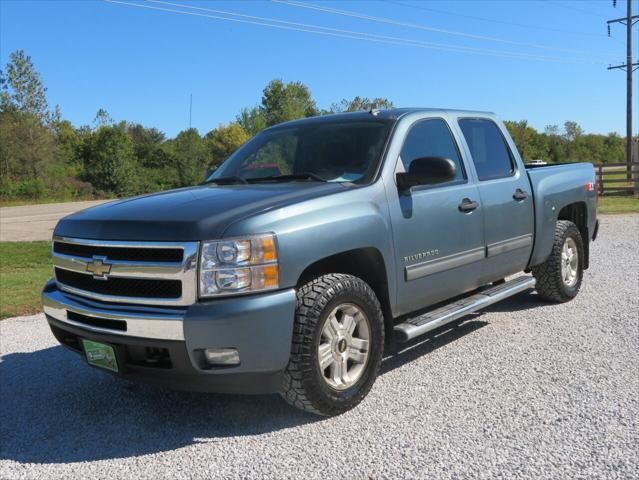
x: 520, y: 195
x: 467, y: 205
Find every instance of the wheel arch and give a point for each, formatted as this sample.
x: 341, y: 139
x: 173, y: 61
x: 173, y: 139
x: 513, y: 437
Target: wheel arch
x: 366, y: 263
x: 577, y: 213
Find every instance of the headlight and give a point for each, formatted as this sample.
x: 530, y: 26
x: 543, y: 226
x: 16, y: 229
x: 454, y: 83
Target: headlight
x: 238, y: 266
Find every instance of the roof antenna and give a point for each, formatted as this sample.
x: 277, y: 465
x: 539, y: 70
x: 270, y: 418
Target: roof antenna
x: 374, y: 110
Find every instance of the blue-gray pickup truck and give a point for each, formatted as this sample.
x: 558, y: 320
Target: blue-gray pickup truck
x: 312, y: 248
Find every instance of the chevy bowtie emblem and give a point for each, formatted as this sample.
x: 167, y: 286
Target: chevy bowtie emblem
x: 98, y: 268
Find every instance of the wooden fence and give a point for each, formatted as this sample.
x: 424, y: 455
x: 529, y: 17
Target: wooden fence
x: 618, y: 178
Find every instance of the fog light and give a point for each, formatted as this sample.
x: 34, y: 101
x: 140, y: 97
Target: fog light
x: 222, y: 356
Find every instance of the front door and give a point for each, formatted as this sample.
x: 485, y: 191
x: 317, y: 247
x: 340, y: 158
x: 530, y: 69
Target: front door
x: 439, y: 247
x: 506, y: 198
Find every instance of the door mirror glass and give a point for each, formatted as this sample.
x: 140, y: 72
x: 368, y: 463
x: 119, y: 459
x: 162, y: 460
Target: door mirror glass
x: 427, y: 171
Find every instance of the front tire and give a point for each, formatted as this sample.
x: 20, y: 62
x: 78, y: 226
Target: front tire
x: 559, y: 277
x: 338, y: 342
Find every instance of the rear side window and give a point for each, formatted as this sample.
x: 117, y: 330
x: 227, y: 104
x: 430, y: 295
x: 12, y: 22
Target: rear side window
x: 491, y: 155
x: 431, y: 138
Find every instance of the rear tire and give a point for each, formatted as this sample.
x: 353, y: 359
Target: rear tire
x: 338, y: 342
x: 559, y: 277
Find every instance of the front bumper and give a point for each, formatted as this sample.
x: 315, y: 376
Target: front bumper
x: 166, y: 345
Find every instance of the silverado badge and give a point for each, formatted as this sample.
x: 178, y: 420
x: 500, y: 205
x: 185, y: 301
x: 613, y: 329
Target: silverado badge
x: 421, y: 255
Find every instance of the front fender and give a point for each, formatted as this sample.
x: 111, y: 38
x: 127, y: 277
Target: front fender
x: 315, y: 229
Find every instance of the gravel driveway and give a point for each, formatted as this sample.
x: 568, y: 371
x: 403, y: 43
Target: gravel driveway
x: 523, y: 390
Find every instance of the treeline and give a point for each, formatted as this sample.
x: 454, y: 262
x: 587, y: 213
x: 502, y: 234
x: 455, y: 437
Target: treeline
x: 43, y: 156
x: 571, y: 144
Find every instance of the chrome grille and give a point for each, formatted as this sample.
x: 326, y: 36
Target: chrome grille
x: 148, y: 273
x: 120, y: 253
x: 119, y: 286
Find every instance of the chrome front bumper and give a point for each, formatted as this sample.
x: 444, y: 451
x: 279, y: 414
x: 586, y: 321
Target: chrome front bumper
x: 143, y: 322
x: 260, y: 327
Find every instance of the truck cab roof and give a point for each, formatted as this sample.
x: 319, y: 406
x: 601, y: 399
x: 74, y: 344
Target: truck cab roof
x: 374, y: 114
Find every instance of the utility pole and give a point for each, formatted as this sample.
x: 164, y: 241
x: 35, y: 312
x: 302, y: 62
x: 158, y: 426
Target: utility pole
x: 629, y: 20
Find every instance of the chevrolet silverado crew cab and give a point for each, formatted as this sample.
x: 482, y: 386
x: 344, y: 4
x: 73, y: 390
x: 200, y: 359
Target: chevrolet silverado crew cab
x: 294, y: 264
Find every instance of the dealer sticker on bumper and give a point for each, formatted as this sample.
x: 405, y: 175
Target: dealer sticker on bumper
x: 100, y: 355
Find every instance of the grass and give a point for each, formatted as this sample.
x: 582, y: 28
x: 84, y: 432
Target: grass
x: 616, y: 176
x: 618, y: 205
x: 24, y: 269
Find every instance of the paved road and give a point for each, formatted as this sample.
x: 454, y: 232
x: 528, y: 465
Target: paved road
x: 36, y: 222
x: 524, y: 390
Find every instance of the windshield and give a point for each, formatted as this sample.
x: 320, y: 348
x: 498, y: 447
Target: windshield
x: 345, y: 151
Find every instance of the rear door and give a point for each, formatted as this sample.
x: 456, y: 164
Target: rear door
x: 506, y: 198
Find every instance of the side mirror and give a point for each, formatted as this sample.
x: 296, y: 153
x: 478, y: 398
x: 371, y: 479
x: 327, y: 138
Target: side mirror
x: 427, y: 171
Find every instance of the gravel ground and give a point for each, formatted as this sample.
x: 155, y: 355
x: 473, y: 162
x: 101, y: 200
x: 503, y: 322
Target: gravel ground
x: 523, y: 390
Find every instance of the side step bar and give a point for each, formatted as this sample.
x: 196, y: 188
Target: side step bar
x: 428, y: 321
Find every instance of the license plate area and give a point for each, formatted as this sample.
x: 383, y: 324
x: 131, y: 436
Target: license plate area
x: 100, y: 355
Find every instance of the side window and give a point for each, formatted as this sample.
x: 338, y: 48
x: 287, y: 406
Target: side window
x: 491, y: 155
x: 431, y: 138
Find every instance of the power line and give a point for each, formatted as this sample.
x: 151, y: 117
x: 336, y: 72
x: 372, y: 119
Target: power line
x: 341, y: 33
x: 623, y: 66
x: 599, y: 3
x: 349, y: 13
x: 492, y: 20
x: 570, y: 7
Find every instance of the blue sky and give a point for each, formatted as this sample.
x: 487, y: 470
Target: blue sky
x: 142, y: 64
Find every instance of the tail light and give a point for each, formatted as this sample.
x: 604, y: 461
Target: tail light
x: 593, y: 187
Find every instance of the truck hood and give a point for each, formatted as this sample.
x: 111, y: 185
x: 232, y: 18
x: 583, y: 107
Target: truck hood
x: 187, y: 214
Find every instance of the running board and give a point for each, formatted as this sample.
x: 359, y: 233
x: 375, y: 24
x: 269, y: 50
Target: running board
x: 428, y: 321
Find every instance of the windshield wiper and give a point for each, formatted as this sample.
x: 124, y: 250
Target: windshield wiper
x: 289, y: 177
x: 234, y: 180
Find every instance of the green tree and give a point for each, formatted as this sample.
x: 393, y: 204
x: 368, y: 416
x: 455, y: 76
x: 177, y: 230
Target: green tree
x: 191, y: 157
x: 157, y: 165
x: 252, y: 120
x: 141, y: 135
x: 69, y: 142
x: 27, y: 146
x: 23, y: 89
x: 109, y: 161
x: 615, y: 148
x: 158, y: 170
x: 102, y: 118
x: 145, y: 140
x: 224, y: 140
x: 361, y: 104
x: 525, y: 137
x: 5, y: 97
x: 572, y: 130
x: 551, y: 130
x: 283, y: 102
